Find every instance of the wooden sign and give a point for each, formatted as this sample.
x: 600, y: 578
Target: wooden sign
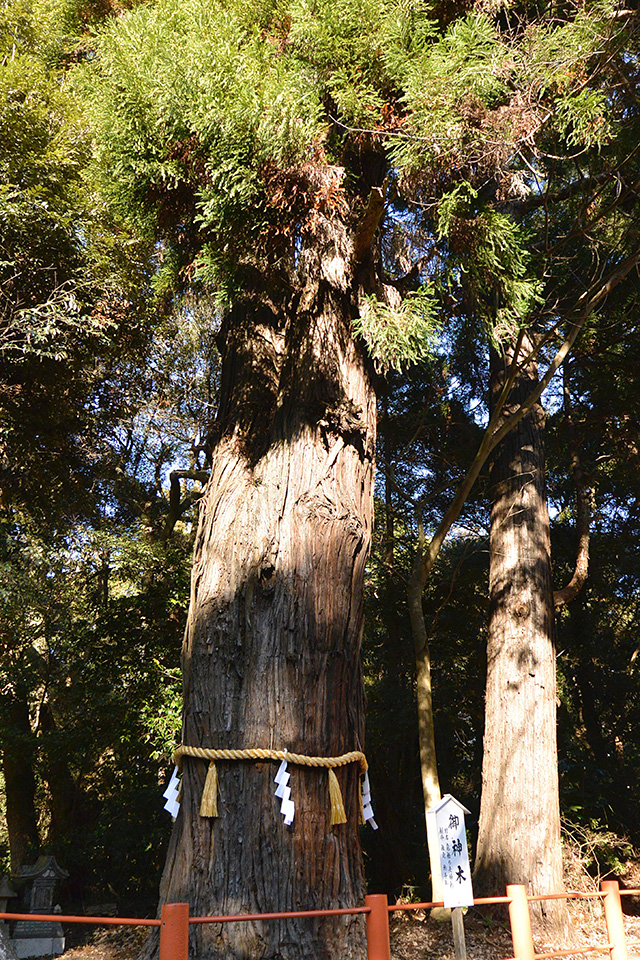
x: 454, y: 855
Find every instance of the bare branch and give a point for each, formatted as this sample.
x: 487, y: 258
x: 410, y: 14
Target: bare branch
x: 590, y: 299
x: 370, y: 222
x: 177, y: 504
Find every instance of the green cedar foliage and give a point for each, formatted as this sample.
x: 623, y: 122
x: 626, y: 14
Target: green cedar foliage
x: 72, y: 281
x: 41, y: 156
x: 210, y: 117
x: 394, y: 335
x: 194, y: 101
x: 64, y: 263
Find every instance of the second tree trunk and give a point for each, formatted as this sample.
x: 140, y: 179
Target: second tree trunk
x: 519, y: 830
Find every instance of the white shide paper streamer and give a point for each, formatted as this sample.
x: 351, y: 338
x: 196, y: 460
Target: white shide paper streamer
x: 283, y: 792
x: 367, y: 809
x: 172, y: 793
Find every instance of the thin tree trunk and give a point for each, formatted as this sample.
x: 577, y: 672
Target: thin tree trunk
x: 391, y: 868
x: 519, y: 828
x: 19, y: 781
x: 272, y: 649
x: 583, y: 504
x: 426, y: 734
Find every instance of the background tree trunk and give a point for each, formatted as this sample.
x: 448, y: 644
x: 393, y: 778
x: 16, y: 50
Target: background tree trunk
x: 426, y: 733
x: 519, y: 828
x: 63, y: 792
x: 392, y: 761
x: 272, y: 649
x: 19, y: 781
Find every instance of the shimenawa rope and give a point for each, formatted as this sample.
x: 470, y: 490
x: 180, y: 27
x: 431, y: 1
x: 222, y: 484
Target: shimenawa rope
x: 209, y: 802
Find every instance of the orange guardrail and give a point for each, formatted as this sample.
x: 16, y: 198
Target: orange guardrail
x: 174, y: 921
x: 63, y: 918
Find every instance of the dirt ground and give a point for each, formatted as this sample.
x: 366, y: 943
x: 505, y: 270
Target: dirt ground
x: 416, y: 937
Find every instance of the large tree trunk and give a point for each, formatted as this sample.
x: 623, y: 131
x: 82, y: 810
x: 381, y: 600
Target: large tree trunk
x: 19, y: 781
x: 272, y: 649
x: 519, y: 829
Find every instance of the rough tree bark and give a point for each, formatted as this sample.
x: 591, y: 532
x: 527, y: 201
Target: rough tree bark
x: 519, y: 828
x: 271, y: 656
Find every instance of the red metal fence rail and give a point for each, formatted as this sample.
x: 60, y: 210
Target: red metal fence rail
x: 175, y: 920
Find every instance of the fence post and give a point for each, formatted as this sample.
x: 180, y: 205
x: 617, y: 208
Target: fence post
x: 378, y: 946
x: 614, y: 919
x: 174, y: 931
x: 520, y: 922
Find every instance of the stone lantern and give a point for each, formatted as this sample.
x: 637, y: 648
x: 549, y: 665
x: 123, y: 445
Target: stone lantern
x: 40, y: 938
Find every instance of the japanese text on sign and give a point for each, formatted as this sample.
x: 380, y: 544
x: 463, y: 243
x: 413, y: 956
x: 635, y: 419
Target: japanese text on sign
x: 454, y: 856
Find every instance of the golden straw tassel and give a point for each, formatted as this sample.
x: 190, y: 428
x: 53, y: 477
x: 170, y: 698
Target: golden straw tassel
x: 335, y: 796
x: 209, y: 802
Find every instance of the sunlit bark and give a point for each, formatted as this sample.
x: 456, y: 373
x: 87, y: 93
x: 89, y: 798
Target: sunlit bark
x: 519, y: 829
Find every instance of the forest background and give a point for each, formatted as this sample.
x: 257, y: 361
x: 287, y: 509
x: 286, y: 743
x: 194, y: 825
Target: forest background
x: 110, y: 375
